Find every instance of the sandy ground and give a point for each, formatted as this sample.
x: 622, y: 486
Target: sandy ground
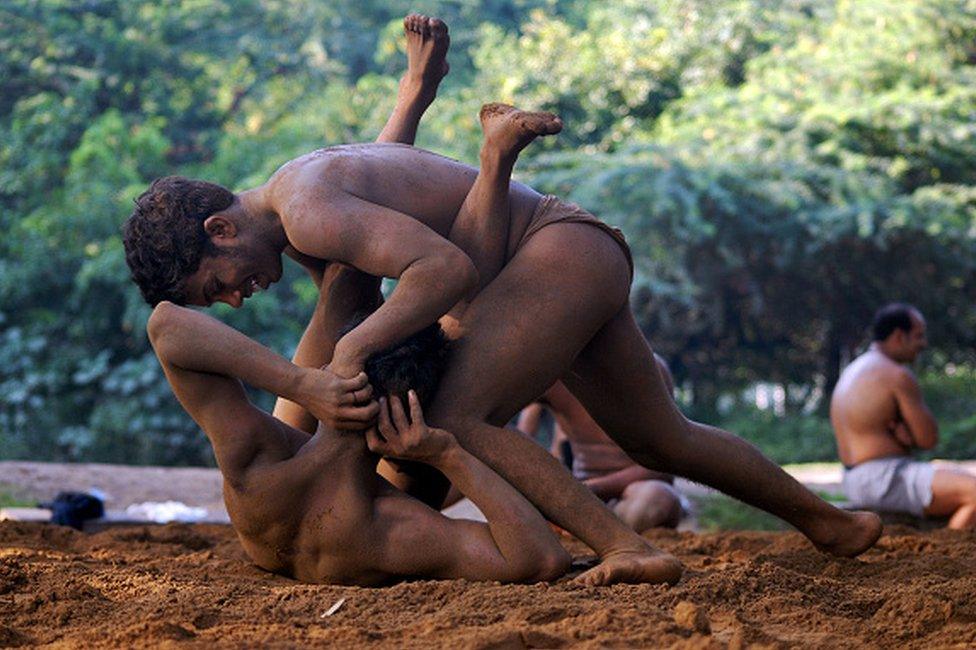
x: 191, y: 585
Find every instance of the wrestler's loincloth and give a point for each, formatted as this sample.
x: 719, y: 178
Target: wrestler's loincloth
x: 551, y: 209
x: 895, y: 484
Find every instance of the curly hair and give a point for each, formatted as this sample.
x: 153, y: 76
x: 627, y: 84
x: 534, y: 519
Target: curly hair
x: 164, y: 237
x: 417, y: 362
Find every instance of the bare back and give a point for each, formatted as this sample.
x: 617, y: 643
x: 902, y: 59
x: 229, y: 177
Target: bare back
x: 299, y: 510
x: 426, y: 186
x: 863, y: 405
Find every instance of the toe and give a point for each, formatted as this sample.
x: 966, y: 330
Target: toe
x: 438, y: 27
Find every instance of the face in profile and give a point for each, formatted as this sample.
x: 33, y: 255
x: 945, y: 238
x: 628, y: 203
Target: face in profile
x: 241, y: 268
x: 915, y: 340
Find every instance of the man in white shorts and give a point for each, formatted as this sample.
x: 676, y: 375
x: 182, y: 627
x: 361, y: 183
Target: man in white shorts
x: 879, y: 418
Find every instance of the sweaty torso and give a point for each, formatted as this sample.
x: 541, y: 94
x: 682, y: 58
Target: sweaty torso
x: 426, y: 186
x: 862, y: 407
x: 303, y: 516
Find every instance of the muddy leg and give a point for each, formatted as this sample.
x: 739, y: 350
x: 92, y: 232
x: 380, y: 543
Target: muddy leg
x: 616, y: 379
x: 480, y: 230
x: 482, y: 224
x: 520, y: 334
x: 427, y: 42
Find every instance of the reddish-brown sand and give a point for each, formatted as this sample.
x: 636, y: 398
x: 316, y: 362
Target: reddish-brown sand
x: 192, y: 585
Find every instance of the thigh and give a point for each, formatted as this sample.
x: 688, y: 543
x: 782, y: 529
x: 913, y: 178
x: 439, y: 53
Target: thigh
x: 952, y: 488
x: 618, y: 381
x: 525, y: 328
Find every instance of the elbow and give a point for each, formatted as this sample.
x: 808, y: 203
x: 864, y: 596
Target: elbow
x: 927, y: 441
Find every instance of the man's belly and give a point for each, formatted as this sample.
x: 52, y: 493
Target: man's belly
x: 861, y: 447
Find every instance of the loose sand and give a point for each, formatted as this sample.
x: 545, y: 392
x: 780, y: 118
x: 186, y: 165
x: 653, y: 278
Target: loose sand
x: 192, y: 585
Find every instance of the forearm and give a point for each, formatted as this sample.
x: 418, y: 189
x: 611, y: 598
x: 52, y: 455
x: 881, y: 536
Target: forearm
x: 343, y: 292
x: 194, y: 341
x: 612, y: 485
x: 516, y: 526
x: 426, y: 291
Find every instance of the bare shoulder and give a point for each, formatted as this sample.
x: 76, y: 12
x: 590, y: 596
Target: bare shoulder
x: 903, y: 377
x: 304, y: 178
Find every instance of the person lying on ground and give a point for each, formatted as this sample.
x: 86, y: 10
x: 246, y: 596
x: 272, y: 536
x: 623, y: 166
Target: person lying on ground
x: 313, y: 507
x: 879, y: 418
x: 640, y: 497
x: 555, y: 300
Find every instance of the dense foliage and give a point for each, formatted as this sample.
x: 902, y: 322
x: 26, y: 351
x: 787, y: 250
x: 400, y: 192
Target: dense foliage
x: 781, y: 167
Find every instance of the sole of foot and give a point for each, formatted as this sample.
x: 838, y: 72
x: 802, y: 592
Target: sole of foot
x: 510, y: 129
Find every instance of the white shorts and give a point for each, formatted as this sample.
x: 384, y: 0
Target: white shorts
x: 897, y: 484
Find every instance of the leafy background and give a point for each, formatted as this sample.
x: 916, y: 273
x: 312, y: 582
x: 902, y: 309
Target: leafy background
x: 781, y: 168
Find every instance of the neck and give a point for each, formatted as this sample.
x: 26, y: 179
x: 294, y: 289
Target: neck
x: 883, y: 348
x: 332, y: 444
x: 259, y: 212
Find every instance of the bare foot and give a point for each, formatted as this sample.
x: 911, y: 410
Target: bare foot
x: 508, y: 130
x: 851, y: 538
x: 427, y: 43
x: 650, y: 566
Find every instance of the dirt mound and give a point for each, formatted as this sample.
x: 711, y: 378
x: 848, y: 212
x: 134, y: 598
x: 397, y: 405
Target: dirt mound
x: 192, y: 585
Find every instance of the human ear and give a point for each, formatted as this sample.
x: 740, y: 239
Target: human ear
x: 218, y: 227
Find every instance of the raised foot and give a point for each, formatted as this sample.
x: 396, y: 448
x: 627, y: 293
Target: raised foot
x: 859, y: 534
x: 634, y: 567
x: 508, y: 129
x: 427, y: 43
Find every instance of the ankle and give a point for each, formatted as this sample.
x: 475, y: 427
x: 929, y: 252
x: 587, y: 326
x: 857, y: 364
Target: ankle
x: 417, y: 91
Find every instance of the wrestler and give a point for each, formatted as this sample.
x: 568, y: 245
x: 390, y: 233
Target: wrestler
x: 313, y: 507
x: 309, y: 503
x: 640, y: 497
x: 879, y: 418
x: 559, y: 306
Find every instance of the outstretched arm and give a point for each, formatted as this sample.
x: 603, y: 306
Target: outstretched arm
x: 190, y: 340
x: 515, y: 545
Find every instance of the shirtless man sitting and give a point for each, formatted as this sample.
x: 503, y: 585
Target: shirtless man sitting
x: 642, y: 498
x: 879, y: 418
x: 557, y: 303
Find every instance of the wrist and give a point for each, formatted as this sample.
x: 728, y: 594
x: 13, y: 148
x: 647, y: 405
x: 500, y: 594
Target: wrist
x: 450, y: 456
x: 298, y: 386
x: 348, y: 351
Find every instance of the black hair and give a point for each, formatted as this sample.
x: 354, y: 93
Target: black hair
x: 415, y: 363
x: 896, y: 316
x: 164, y: 237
